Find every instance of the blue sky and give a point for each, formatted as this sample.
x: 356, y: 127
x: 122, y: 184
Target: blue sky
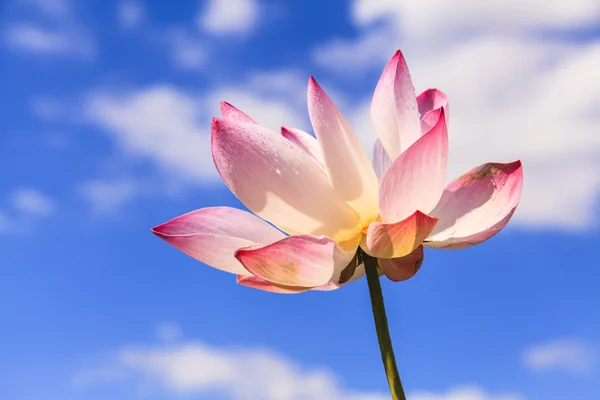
x: 105, y: 114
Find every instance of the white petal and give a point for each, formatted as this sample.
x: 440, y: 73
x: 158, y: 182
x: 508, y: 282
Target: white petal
x: 349, y: 170
x: 212, y: 235
x: 394, y: 110
x: 305, y: 141
x: 278, y: 181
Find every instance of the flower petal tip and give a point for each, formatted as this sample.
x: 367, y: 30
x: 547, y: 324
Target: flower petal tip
x: 313, y: 85
x: 231, y: 113
x: 156, y: 230
x: 165, y: 229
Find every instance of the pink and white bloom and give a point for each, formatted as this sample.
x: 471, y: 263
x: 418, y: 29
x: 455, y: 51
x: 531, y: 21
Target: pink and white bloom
x: 329, y: 199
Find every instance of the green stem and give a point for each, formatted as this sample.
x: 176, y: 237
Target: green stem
x: 381, y: 325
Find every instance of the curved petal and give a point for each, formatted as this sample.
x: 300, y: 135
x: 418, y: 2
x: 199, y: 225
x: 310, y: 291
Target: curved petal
x: 431, y: 102
x: 348, y: 167
x: 261, y: 284
x: 302, y: 260
x: 403, y: 268
x: 381, y: 161
x: 306, y: 142
x: 212, y: 235
x: 278, y: 181
x: 398, y: 239
x: 341, y: 276
x: 394, y: 110
x: 230, y: 113
x: 477, y: 205
x: 416, y: 179
x: 357, y: 273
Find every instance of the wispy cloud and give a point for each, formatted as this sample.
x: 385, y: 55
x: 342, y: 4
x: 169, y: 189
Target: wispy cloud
x: 194, y: 368
x: 188, y: 50
x: 58, y: 9
x: 5, y: 222
x: 32, y: 202
x: 34, y: 38
x: 571, y: 355
x: 23, y: 210
x: 107, y: 196
x: 130, y: 14
x: 160, y: 123
x: 233, y: 17
x: 464, y: 393
x: 171, y: 127
x: 47, y: 108
x: 168, y: 331
x: 52, y: 29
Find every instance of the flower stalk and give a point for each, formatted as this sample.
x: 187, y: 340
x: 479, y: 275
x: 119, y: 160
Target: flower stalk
x: 381, y: 326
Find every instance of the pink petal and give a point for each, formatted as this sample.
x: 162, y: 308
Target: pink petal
x: 212, y: 235
x: 348, y: 167
x: 394, y: 110
x: 261, y: 284
x: 302, y: 260
x: 342, y: 276
x: 431, y: 102
x: 381, y: 161
x: 401, y: 269
x: 416, y: 179
x: 278, y: 181
x: 306, y: 142
x: 477, y: 205
x: 398, y: 239
x: 230, y: 113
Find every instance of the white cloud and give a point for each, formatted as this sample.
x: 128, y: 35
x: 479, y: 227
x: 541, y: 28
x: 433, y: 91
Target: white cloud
x: 464, y: 393
x: 513, y: 94
x: 50, y: 8
x: 130, y: 14
x: 434, y: 18
x: 57, y: 31
x: 89, y: 377
x: 171, y: 127
x: 354, y: 56
x: 26, y: 207
x: 188, y: 51
x: 47, y: 108
x: 32, y: 202
x: 571, y: 355
x: 107, y: 197
x: 37, y: 39
x: 168, y: 332
x: 159, y: 123
x: 229, y: 17
x: 5, y: 222
x: 192, y: 367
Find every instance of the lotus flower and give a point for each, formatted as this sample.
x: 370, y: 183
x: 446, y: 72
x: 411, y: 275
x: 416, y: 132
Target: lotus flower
x: 324, y: 198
